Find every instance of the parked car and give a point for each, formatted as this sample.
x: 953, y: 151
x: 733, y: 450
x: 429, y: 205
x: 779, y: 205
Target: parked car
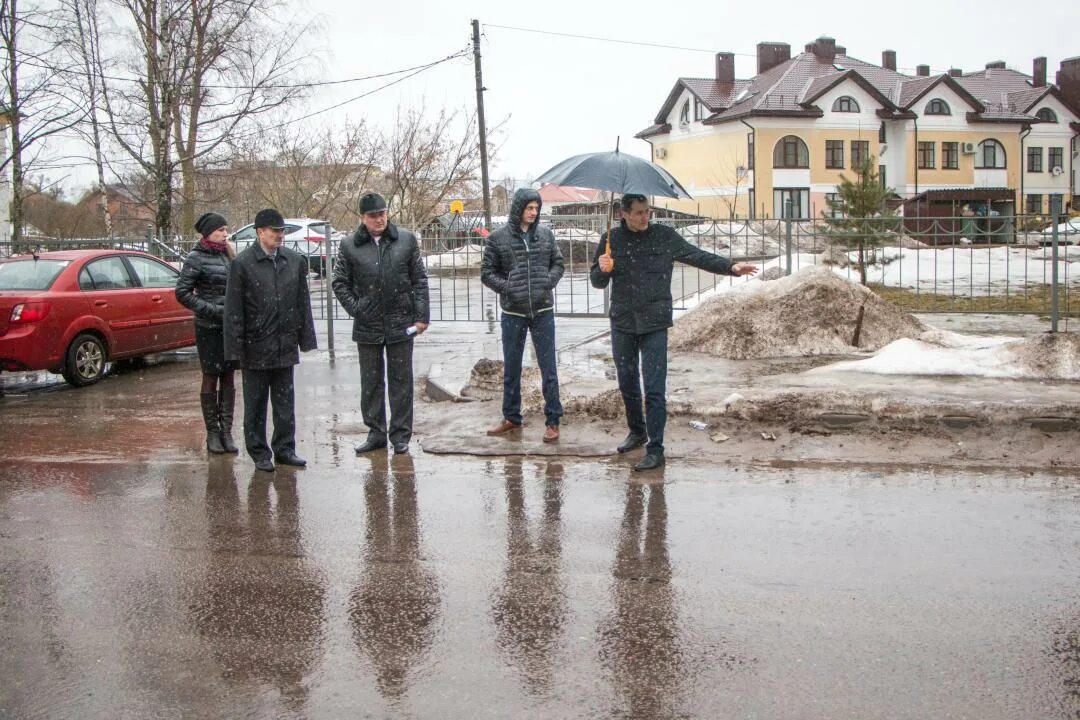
x: 74, y: 311
x: 1068, y: 233
x: 304, y: 235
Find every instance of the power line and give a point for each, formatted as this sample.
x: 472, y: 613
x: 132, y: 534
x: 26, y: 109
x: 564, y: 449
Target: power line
x: 284, y: 86
x: 419, y: 69
x: 610, y: 40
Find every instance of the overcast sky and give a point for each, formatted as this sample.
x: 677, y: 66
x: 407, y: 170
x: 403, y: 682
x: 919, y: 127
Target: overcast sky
x: 555, y: 96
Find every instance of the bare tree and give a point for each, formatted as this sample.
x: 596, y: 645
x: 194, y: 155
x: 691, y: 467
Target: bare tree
x: 35, y: 107
x: 430, y: 161
x: 204, y: 67
x: 303, y: 173
x: 731, y: 172
x: 81, y: 37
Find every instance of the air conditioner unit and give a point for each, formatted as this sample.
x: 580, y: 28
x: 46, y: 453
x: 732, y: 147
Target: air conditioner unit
x: 661, y: 153
x: 968, y: 148
x: 1056, y: 170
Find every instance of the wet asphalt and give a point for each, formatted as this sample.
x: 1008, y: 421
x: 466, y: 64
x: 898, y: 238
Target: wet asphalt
x: 138, y: 579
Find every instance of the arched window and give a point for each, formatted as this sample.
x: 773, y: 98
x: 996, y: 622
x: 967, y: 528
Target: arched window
x: 937, y: 106
x: 991, y: 155
x: 791, y: 152
x: 1046, y: 115
x: 684, y: 114
x: 845, y: 104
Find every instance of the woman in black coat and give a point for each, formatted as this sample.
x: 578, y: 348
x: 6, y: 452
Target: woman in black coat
x: 201, y: 288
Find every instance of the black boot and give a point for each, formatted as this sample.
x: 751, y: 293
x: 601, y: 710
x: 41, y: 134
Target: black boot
x: 213, y: 426
x: 226, y: 401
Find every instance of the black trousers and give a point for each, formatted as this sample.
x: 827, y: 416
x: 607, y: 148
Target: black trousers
x: 640, y: 357
x: 275, y: 385
x: 386, y: 371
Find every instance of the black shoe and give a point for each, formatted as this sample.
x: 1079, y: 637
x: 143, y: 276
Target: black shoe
x: 290, y: 459
x: 264, y: 464
x: 650, y: 462
x: 369, y: 445
x: 632, y: 442
x: 401, y: 448
x: 213, y: 427
x: 226, y: 401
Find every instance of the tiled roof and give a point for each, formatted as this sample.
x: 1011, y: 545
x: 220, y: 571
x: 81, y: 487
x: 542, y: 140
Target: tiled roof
x: 911, y: 89
x: 994, y: 84
x: 551, y: 194
x: 790, y: 88
x: 715, y: 95
x: 659, y: 129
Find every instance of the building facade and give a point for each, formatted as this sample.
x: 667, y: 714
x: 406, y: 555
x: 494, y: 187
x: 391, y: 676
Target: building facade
x: 778, y: 143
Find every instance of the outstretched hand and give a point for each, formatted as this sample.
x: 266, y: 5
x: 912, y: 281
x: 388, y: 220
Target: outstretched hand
x: 744, y: 269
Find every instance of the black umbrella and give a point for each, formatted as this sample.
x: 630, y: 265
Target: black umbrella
x: 614, y: 172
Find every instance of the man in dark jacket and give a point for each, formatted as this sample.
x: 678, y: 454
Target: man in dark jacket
x: 267, y: 318
x: 380, y: 281
x: 522, y: 263
x: 639, y: 266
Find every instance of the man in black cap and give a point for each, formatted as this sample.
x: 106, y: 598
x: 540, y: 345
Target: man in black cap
x: 267, y: 319
x: 380, y: 280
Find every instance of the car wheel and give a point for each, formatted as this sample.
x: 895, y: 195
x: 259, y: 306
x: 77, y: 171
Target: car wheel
x: 85, y: 361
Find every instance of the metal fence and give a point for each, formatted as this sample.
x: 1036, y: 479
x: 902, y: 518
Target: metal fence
x: 992, y: 264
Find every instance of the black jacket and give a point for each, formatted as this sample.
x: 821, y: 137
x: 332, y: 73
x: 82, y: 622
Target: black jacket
x: 383, y: 287
x: 641, y: 279
x: 268, y: 309
x: 523, y: 274
x: 201, y: 286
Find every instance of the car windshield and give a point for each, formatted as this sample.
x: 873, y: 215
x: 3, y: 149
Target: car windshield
x: 30, y: 274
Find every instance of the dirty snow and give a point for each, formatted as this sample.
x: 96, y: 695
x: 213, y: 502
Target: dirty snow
x: 1052, y: 357
x: 812, y: 312
x: 463, y: 258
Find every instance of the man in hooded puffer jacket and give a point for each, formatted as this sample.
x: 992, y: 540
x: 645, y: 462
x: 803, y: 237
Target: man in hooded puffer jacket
x: 522, y: 263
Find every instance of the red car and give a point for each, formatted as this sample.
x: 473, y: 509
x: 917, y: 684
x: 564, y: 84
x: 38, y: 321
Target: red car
x: 73, y: 311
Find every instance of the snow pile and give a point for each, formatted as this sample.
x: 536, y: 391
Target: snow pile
x: 812, y: 312
x: 486, y: 380
x: 962, y: 270
x: 465, y: 257
x: 1053, y: 357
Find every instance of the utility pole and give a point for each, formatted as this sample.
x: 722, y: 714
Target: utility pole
x: 480, y: 118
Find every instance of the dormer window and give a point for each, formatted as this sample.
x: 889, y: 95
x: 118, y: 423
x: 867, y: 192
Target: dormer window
x: 684, y: 114
x: 845, y: 104
x: 1046, y: 115
x: 938, y: 106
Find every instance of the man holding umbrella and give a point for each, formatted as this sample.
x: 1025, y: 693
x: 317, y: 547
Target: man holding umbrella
x: 637, y: 259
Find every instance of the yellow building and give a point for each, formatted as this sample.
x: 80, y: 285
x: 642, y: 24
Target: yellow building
x: 777, y: 144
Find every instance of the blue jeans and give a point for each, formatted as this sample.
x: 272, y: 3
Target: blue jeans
x: 542, y: 329
x: 636, y: 355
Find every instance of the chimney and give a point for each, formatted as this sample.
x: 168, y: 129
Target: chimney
x: 1068, y: 81
x: 996, y: 65
x: 769, y: 55
x: 955, y: 72
x: 1038, y: 72
x: 725, y: 67
x: 824, y: 48
x: 888, y: 60
x: 922, y: 70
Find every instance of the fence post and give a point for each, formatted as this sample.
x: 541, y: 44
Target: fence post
x: 326, y: 265
x: 787, y: 234
x: 1054, y: 277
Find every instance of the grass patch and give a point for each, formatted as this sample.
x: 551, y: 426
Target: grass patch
x: 1033, y: 299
